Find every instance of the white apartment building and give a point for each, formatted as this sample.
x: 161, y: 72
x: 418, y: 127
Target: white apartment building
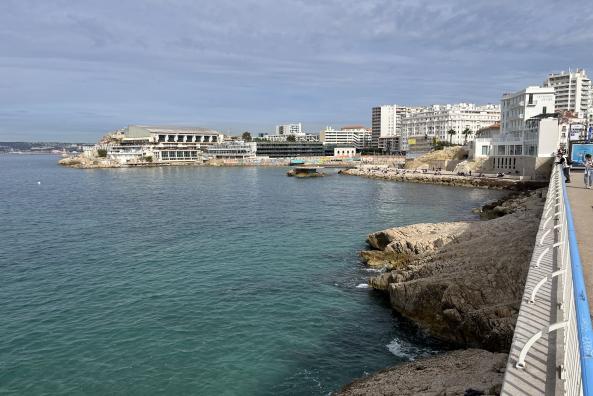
x: 357, y: 136
x: 289, y: 129
x: 386, y: 122
x: 520, y: 106
x: 435, y: 121
x: 573, y: 92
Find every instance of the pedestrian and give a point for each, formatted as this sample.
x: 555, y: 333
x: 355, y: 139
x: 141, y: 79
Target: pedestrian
x: 565, y: 164
x: 588, y: 171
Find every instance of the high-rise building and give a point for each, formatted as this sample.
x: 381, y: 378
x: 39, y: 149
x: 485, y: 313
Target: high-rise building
x: 386, y: 123
x: 519, y: 106
x: 573, y: 91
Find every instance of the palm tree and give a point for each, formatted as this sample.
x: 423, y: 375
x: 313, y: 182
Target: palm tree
x: 466, y: 132
x: 451, y: 132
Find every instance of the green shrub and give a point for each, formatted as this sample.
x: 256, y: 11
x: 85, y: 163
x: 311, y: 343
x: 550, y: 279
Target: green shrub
x: 102, y: 153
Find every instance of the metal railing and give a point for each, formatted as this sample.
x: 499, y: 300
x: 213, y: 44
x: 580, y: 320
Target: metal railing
x: 570, y: 317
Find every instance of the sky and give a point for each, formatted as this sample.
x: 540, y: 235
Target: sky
x: 72, y: 70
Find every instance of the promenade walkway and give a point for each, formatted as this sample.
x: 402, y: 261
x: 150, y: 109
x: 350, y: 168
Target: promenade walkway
x: 581, y: 202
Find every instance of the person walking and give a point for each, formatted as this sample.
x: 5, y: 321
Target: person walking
x: 588, y: 171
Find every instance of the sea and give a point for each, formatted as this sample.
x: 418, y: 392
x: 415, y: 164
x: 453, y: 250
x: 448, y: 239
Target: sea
x: 187, y: 280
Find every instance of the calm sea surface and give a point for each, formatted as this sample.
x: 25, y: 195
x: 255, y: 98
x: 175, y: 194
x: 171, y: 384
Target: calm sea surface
x: 209, y: 281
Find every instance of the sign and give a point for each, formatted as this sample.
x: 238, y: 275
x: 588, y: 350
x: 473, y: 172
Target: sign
x: 578, y: 151
x: 411, y: 141
x: 575, y: 131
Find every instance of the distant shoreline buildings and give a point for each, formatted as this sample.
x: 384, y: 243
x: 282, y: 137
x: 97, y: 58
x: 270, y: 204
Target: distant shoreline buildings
x: 522, y: 125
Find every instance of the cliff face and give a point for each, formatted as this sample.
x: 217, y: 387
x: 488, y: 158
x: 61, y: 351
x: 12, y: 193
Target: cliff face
x: 467, y: 372
x: 463, y: 281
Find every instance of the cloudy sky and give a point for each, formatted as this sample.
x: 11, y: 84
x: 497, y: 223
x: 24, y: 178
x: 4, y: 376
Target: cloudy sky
x: 73, y: 69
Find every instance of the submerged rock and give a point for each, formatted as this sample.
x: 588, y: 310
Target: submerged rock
x: 466, y: 372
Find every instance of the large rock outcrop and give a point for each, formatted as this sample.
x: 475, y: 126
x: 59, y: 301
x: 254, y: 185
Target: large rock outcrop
x: 462, y: 281
x: 465, y: 372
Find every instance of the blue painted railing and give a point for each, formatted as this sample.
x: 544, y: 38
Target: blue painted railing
x: 583, y: 315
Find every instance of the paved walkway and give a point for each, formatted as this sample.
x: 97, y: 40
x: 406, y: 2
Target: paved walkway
x: 581, y: 203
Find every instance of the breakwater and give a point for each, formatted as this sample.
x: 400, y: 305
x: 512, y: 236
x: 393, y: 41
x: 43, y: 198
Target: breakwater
x: 392, y: 174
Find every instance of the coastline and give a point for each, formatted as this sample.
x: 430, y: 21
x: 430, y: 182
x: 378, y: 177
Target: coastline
x: 497, y: 183
x: 462, y: 283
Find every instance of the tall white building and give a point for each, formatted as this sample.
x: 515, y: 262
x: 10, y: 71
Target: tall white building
x: 386, y: 122
x: 435, y: 121
x: 573, y: 91
x: 519, y: 106
x: 289, y: 129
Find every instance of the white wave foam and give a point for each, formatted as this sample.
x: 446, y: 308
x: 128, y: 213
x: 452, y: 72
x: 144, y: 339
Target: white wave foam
x: 373, y: 269
x: 362, y: 286
x: 403, y: 349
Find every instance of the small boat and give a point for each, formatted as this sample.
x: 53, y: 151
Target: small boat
x: 305, y: 172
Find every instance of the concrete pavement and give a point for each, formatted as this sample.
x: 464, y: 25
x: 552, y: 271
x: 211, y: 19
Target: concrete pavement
x: 581, y: 202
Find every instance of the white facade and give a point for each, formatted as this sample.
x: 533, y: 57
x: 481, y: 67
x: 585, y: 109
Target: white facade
x: 356, y: 136
x: 234, y: 149
x: 435, y: 121
x: 573, y: 91
x: 386, y: 122
x: 344, y: 152
x: 289, y: 129
x: 517, y: 107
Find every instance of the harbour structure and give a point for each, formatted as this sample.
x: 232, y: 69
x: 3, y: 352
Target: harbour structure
x: 573, y: 91
x: 352, y: 135
x: 437, y: 121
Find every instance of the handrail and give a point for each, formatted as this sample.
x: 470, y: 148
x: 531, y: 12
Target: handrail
x: 566, y: 302
x: 583, y: 318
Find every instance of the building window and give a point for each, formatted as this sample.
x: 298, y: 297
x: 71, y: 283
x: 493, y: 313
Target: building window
x: 500, y: 150
x: 530, y: 101
x: 544, y: 110
x: 485, y: 150
x: 518, y: 150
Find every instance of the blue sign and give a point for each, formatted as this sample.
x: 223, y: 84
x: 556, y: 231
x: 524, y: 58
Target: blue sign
x: 578, y: 151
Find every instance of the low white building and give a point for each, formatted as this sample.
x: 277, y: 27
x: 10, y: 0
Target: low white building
x: 143, y: 143
x: 357, y: 136
x: 233, y: 149
x: 344, y: 152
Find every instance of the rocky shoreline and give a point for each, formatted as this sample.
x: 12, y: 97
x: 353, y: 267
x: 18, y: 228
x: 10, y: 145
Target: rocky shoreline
x: 504, y: 183
x: 460, y: 282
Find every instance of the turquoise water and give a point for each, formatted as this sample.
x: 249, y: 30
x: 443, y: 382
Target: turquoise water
x: 210, y: 281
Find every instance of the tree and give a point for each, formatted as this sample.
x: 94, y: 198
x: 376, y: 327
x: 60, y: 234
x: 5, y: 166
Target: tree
x: 465, y: 133
x: 246, y: 136
x: 101, y: 153
x: 451, y: 132
x: 290, y: 138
